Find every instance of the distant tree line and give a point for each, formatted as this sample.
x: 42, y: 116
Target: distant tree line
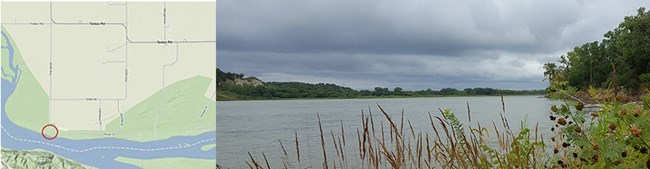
x: 288, y: 90
x: 620, y: 60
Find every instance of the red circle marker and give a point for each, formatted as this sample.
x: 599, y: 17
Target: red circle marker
x: 50, y: 138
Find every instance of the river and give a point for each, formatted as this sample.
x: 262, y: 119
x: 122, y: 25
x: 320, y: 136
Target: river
x: 96, y: 152
x: 256, y: 126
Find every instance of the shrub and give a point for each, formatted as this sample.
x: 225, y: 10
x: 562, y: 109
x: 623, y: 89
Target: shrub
x: 614, y: 136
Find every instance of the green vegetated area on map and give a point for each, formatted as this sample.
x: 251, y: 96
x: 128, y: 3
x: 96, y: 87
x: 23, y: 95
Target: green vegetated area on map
x: 619, y: 63
x: 37, y: 159
x: 7, y: 73
x: 175, y: 110
x: 169, y: 162
x: 235, y: 86
x: 172, y: 111
x: 28, y: 92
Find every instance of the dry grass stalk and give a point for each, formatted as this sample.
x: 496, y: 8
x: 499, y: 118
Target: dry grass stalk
x: 254, y: 161
x: 297, y: 148
x: 322, y: 140
x: 447, y: 147
x: 268, y: 166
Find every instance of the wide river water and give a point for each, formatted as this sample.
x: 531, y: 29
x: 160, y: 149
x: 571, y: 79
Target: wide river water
x: 256, y: 126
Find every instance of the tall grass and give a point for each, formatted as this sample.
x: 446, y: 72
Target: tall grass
x: 450, y: 145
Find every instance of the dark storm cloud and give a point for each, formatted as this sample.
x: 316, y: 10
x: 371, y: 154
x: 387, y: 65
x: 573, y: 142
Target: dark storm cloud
x: 413, y: 44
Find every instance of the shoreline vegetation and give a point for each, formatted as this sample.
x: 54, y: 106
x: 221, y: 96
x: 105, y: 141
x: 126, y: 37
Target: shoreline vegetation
x: 235, y: 86
x: 377, y: 97
x: 392, y: 142
x: 614, y: 136
x: 614, y: 68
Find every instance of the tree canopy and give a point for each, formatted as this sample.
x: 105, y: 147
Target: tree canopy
x: 620, y: 60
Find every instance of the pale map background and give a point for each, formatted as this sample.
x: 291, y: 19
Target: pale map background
x: 112, y: 69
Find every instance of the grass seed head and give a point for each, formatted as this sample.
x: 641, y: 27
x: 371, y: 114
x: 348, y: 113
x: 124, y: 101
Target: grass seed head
x: 637, y: 112
x: 636, y: 131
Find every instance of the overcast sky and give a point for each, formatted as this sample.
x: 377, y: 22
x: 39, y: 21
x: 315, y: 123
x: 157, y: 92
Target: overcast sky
x: 412, y: 44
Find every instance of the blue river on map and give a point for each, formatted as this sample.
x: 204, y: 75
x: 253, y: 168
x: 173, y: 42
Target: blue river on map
x: 100, y: 152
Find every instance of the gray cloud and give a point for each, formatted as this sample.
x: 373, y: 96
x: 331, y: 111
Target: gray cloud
x: 413, y: 44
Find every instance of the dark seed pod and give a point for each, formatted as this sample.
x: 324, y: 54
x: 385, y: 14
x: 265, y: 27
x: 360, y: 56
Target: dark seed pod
x: 594, y: 159
x: 553, y: 139
x: 575, y: 155
x: 554, y: 108
x: 580, y: 106
x: 624, y: 154
x: 555, y: 151
x: 612, y: 126
x: 644, y: 150
x: 566, y: 117
x: 551, y: 117
x: 552, y: 128
x: 560, y: 162
x: 570, y: 122
x: 577, y: 129
x: 565, y: 144
x: 561, y: 121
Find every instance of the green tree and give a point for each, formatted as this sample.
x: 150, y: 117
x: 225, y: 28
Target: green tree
x: 617, y: 60
x: 397, y: 90
x: 379, y: 91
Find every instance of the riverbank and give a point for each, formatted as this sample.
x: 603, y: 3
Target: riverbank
x: 221, y: 97
x: 597, y: 96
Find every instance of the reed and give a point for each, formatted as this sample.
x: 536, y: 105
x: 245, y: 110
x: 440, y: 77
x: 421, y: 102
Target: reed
x: 449, y: 144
